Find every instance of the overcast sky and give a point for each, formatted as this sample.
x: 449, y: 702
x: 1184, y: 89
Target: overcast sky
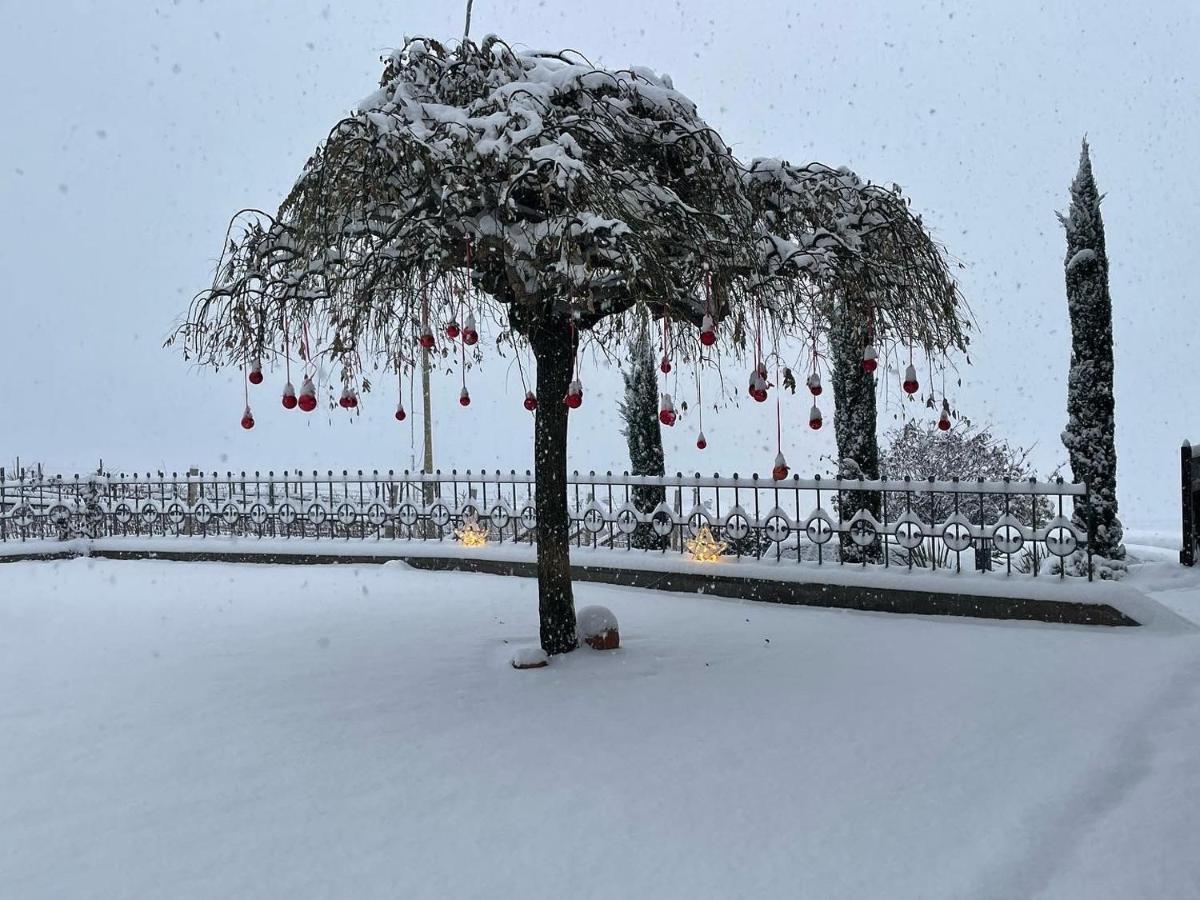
x: 132, y: 131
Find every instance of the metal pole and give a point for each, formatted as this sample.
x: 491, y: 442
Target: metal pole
x: 1187, y: 553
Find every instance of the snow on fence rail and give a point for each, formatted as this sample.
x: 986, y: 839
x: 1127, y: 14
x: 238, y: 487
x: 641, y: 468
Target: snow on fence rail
x: 1014, y: 525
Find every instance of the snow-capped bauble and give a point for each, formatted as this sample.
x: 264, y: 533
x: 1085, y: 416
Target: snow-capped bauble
x: 352, y: 400
x: 401, y: 415
x: 758, y: 384
x: 247, y: 419
x: 870, y: 360
x: 910, y: 385
x: 781, y: 470
x: 530, y: 401
x: 701, y: 441
x: 814, y: 418
x: 574, y: 398
x: 256, y: 375
x: 452, y: 329
x: 426, y: 339
x: 666, y: 411
x: 814, y: 384
x: 344, y: 400
x: 469, y: 335
x: 289, y: 396
x: 307, y: 401
x: 665, y: 365
x: 708, y: 331
x: 464, y: 398
x: 944, y: 418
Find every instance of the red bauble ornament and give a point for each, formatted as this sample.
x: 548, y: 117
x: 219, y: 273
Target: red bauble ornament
x: 247, y: 419
x: 870, y: 360
x: 464, y: 398
x: 666, y: 411
x: 759, y: 394
x: 470, y: 335
x: 910, y: 385
x: 352, y: 401
x: 308, y: 396
x: 289, y: 396
x: 814, y: 418
x: 708, y: 331
x: 452, y: 330
x: 781, y: 470
x: 701, y: 443
x: 665, y: 366
x: 574, y: 398
x: 814, y: 384
x: 944, y: 418
x: 401, y: 415
x: 426, y: 339
x: 530, y: 401
x: 256, y: 375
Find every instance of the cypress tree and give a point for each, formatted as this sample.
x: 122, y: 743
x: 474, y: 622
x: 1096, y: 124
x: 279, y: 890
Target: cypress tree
x: 642, y: 431
x: 1089, y: 433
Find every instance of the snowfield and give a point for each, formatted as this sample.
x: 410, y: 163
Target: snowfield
x: 212, y: 730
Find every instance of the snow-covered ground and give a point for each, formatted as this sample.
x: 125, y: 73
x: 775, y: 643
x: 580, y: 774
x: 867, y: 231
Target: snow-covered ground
x: 212, y: 730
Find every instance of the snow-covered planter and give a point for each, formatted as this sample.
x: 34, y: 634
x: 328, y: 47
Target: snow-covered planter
x: 598, y: 628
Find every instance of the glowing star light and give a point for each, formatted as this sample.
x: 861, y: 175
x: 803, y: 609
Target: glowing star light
x: 471, y: 534
x: 706, y: 548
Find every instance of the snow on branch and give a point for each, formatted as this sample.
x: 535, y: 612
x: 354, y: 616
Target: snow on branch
x: 541, y: 187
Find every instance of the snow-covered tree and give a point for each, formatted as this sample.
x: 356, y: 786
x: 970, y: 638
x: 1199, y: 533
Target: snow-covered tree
x: 643, y: 432
x: 1090, y: 407
x: 556, y: 197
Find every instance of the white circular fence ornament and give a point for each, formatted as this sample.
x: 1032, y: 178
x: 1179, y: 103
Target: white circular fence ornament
x: 231, y: 513
x: 529, y: 517
x: 627, y: 520
x: 149, y: 513
x: 500, y: 516
x: 819, y: 528
x: 58, y: 514
x: 347, y: 513
x: 258, y: 514
x: 407, y: 514
x: 439, y: 515
x: 662, y: 522
x: 176, y: 512
x: 1061, y: 540
x: 777, y: 528
x: 376, y: 514
x: 202, y: 514
x: 909, y: 533
x: 316, y: 513
x: 863, y: 532
x: 737, y: 526
x: 286, y: 514
x: 1007, y: 539
x: 593, y: 520
x: 956, y: 535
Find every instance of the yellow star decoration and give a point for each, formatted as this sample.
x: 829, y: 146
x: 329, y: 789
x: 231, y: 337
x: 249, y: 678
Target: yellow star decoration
x: 471, y: 534
x: 704, y: 547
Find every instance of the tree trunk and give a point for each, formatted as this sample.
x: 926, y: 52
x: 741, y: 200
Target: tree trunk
x: 855, y: 419
x: 553, y: 345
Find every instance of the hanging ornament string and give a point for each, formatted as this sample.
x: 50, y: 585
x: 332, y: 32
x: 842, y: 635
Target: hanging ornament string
x: 778, y: 417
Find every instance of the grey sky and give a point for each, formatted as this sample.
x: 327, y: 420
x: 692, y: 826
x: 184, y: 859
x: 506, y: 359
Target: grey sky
x: 133, y: 130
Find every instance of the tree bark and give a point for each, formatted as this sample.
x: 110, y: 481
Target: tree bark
x: 554, y: 345
x: 855, y: 422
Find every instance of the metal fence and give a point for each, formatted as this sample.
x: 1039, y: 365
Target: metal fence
x: 1013, y: 526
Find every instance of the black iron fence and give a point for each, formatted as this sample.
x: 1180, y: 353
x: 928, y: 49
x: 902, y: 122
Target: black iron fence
x: 1013, y: 526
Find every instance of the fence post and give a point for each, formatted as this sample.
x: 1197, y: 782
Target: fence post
x: 1187, y: 553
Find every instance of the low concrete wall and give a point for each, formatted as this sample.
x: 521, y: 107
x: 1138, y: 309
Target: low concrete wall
x: 741, y: 587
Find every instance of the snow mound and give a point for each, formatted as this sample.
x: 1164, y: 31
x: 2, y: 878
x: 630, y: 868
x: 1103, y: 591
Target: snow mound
x: 595, y: 620
x: 530, y: 658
